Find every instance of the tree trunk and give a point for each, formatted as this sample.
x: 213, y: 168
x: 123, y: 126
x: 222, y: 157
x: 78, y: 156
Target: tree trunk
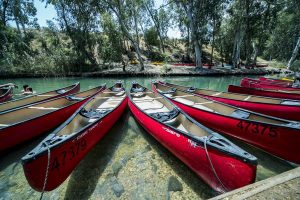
x: 294, y: 55
x: 255, y: 52
x: 213, y: 42
x: 136, y: 28
x: 4, y: 7
x: 157, y: 27
x: 197, y: 42
x: 237, y: 46
x: 127, y: 34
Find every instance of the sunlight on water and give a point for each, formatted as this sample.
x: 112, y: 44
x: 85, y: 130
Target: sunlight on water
x: 127, y: 163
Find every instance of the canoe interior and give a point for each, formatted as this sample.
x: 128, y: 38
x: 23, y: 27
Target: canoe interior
x: 150, y: 103
x: 33, y: 98
x: 213, y: 106
x: 104, y: 101
x: 39, y: 109
x: 3, y: 91
x: 239, y: 97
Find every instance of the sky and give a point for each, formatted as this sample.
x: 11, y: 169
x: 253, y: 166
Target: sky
x: 48, y: 12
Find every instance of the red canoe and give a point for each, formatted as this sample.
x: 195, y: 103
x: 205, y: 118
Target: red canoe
x: 261, y: 78
x: 274, y: 135
x: 220, y: 163
x: 253, y: 83
x: 14, y: 104
x: 24, y: 123
x: 6, y: 93
x: 66, y: 146
x: 282, y: 108
x: 284, y: 94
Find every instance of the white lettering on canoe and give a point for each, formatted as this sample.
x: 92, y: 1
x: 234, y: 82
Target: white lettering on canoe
x: 193, y: 144
x: 87, y: 131
x: 172, y: 132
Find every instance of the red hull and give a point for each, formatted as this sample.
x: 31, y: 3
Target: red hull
x: 7, y: 95
x: 251, y: 83
x: 284, y: 144
x: 290, y: 112
x: 26, y: 130
x: 274, y: 80
x: 260, y: 92
x: 233, y: 172
x: 281, y: 111
x: 65, y: 157
x: 15, y: 104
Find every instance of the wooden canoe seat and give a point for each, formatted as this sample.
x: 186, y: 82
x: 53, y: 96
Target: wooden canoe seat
x: 216, y: 94
x: 44, y: 108
x: 45, y: 95
x: 240, y: 114
x: 247, y: 98
x: 292, y: 103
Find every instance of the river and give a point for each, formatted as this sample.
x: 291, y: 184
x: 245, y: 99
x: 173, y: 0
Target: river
x: 127, y: 163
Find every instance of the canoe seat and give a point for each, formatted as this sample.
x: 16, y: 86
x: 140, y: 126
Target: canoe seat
x: 291, y: 124
x: 191, y: 89
x: 292, y: 103
x: 240, y: 114
x: 136, y: 90
x: 94, y: 113
x: 61, y: 91
x: 171, y: 91
x: 74, y: 98
x: 43, y: 108
x: 165, y: 116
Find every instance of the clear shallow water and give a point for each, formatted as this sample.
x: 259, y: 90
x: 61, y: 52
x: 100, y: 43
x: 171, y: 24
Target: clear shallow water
x: 127, y: 163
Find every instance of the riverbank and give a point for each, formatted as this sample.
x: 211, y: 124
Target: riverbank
x: 151, y: 70
x: 282, y: 186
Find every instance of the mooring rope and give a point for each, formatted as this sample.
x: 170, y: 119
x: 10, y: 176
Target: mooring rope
x: 47, y: 172
x: 211, y: 165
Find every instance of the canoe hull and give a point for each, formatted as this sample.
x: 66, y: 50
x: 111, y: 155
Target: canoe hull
x: 7, y: 96
x: 232, y: 172
x: 281, y: 111
x: 277, y: 140
x: 284, y: 111
x: 245, y: 82
x: 65, y: 157
x: 259, y: 92
x: 22, y: 132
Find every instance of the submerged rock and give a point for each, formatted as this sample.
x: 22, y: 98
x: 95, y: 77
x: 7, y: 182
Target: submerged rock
x: 116, y: 187
x: 174, y: 184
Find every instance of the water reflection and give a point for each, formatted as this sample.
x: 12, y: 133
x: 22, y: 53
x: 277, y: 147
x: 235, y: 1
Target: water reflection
x: 127, y: 163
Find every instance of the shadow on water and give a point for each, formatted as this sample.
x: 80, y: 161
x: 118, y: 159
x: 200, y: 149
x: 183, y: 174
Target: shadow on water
x: 184, y: 172
x: 269, y: 165
x: 15, y: 154
x: 85, y: 177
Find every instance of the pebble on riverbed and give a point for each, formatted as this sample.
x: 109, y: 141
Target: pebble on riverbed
x: 174, y: 184
x: 117, y: 187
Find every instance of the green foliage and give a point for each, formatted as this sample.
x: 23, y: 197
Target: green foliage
x: 151, y: 37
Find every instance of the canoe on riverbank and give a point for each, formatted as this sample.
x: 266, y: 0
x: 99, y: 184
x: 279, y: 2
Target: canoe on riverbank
x: 254, y: 83
x: 6, y: 93
x: 66, y: 146
x: 220, y: 163
x: 284, y: 94
x: 282, y: 108
x: 274, y: 135
x: 25, y: 123
x: 14, y: 104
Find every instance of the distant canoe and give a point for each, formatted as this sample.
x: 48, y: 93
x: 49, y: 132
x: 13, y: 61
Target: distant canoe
x: 254, y: 83
x: 274, y: 135
x: 14, y: 104
x: 221, y: 164
x: 284, y: 94
x: 72, y: 140
x: 25, y: 123
x: 6, y: 93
